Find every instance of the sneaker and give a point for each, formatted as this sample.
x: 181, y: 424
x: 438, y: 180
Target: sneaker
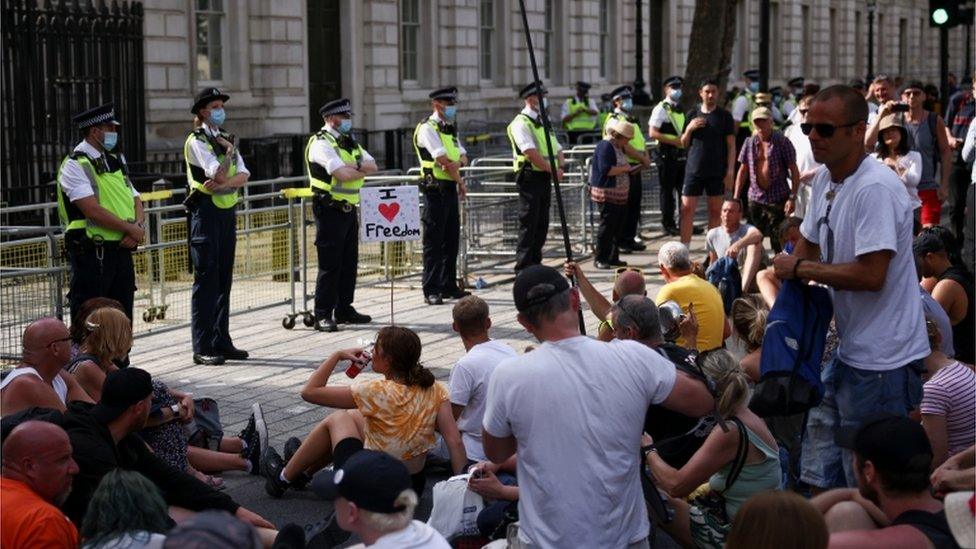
x: 252, y: 448
x: 271, y: 467
x: 260, y: 427
x: 291, y: 446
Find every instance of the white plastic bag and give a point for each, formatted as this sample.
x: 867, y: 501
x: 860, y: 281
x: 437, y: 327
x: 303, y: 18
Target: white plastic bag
x: 455, y: 511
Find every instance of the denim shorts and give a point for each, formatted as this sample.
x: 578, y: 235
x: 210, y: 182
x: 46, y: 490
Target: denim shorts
x: 851, y: 395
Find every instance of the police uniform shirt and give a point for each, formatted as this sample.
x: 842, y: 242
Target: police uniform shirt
x: 325, y: 155
x: 522, y: 134
x: 75, y: 182
x: 201, y: 155
x: 740, y: 108
x: 591, y: 105
x: 659, y: 116
x: 428, y: 138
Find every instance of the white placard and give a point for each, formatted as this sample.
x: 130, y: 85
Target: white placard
x: 389, y: 214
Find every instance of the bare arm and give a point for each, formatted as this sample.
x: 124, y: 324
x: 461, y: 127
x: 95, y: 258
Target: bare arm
x: 717, y: 451
x: 655, y: 133
x: 533, y: 156
x: 350, y: 173
x: 893, y: 537
x: 752, y: 236
x: 689, y: 397
x: 498, y: 450
x: 740, y: 181
x: 730, y: 168
x: 76, y: 393
x: 317, y: 391
x: 935, y: 429
x: 456, y: 410
x: 599, y: 304
x: 867, y: 273
x: 945, y: 155
x: 25, y: 392
x: 447, y: 427
x: 91, y: 378
x: 952, y: 297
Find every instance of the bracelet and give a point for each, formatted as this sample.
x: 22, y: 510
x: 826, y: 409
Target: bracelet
x: 647, y: 450
x: 797, y: 265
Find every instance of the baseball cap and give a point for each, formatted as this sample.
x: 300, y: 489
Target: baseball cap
x: 371, y: 479
x: 122, y: 389
x: 761, y: 113
x: 213, y: 529
x: 532, y: 277
x: 890, y: 442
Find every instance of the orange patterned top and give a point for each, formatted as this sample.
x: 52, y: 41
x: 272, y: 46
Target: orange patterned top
x: 400, y: 418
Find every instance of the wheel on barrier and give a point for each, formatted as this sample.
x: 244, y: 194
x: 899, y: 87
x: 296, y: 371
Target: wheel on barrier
x: 288, y: 322
x: 147, y: 316
x: 308, y: 319
x: 161, y: 315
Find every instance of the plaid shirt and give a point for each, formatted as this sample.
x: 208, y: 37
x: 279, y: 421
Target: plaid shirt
x: 781, y: 156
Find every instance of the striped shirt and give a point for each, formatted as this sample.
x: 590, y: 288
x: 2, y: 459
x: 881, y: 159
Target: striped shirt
x: 952, y: 393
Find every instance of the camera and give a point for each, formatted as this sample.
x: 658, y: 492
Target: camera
x: 899, y: 107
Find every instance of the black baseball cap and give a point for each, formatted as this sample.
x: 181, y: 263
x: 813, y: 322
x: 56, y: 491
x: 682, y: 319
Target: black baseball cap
x: 371, y: 479
x: 892, y: 443
x: 532, y: 277
x: 122, y: 389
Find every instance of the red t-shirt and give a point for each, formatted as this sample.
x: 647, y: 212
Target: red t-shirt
x: 28, y: 521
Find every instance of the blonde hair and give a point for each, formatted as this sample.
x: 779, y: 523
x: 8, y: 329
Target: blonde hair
x: 385, y: 523
x: 109, y: 334
x: 749, y: 314
x: 731, y: 383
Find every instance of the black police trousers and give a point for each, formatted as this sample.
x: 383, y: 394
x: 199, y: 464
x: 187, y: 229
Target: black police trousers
x: 213, y: 241
x: 441, y: 235
x: 337, y: 246
x: 535, y: 194
x: 628, y: 232
x: 671, y: 176
x: 99, y: 271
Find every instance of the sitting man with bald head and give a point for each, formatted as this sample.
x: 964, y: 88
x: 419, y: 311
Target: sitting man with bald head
x: 40, y: 381
x: 36, y: 478
x: 629, y: 281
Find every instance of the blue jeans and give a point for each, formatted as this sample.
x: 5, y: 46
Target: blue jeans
x: 851, y: 395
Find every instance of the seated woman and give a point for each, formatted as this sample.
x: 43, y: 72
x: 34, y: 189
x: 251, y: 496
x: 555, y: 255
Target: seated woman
x: 696, y: 524
x: 126, y: 511
x: 77, y: 329
x: 397, y: 413
x: 948, y: 400
x: 108, y: 339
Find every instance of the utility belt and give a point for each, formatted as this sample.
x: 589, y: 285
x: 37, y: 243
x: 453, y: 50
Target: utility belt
x: 323, y: 198
x: 77, y: 241
x: 432, y: 185
x: 668, y: 153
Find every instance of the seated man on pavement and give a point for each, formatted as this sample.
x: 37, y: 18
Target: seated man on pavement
x: 766, y: 281
x: 39, y: 381
x: 36, y: 478
x: 736, y: 239
x: 952, y: 287
x: 892, y: 505
x: 692, y: 293
x: 103, y: 439
x: 628, y: 281
x: 373, y: 499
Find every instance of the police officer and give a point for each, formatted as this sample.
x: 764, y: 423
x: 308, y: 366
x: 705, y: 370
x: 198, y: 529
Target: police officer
x: 796, y: 92
x: 336, y: 166
x: 533, y: 174
x: 441, y: 156
x: 214, y: 172
x: 101, y: 213
x: 579, y: 113
x: 666, y: 126
x: 623, y: 103
x: 743, y: 105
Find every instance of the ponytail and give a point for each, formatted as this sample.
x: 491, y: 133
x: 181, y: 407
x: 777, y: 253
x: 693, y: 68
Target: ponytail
x: 420, y: 376
x: 401, y: 346
x: 731, y: 383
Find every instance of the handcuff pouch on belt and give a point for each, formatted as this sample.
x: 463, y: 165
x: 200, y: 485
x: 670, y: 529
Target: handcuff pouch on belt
x: 430, y: 184
x: 326, y: 199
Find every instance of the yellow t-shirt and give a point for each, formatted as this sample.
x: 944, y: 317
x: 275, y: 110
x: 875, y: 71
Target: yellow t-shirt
x: 400, y: 418
x: 708, y: 308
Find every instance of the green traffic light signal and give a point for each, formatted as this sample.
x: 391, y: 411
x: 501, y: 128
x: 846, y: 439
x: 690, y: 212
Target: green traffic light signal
x: 940, y: 16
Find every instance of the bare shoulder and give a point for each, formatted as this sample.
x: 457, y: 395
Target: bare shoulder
x: 893, y: 537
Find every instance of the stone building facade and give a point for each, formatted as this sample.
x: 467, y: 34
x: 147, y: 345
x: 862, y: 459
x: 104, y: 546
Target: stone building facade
x: 280, y: 59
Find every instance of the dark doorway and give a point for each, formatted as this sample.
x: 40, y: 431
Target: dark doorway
x: 324, y: 58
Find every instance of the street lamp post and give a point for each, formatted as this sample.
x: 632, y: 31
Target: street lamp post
x: 872, y: 6
x: 640, y: 96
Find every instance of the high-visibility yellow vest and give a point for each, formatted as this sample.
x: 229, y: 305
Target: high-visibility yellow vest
x: 583, y: 122
x: 196, y: 177
x: 538, y: 135
x: 112, y: 190
x: 637, y: 142
x: 319, y: 178
x: 747, y: 117
x: 428, y: 164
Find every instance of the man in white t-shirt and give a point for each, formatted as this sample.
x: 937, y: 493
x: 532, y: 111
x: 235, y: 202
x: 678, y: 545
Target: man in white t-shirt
x: 469, y: 378
x: 857, y: 239
x: 804, y: 155
x: 736, y: 239
x: 574, y: 410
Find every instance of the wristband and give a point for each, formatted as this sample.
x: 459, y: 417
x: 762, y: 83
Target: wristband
x: 176, y: 409
x: 797, y: 265
x: 647, y: 450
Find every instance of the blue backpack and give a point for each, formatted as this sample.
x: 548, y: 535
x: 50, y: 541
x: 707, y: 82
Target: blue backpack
x: 724, y: 275
x: 793, y: 346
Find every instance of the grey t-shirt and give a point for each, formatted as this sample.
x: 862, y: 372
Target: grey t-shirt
x: 718, y: 240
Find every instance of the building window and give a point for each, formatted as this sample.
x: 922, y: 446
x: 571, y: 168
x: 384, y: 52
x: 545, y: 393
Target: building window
x: 834, y: 54
x: 487, y: 22
x: 409, y: 37
x: 902, y: 46
x: 549, y: 43
x: 807, y: 41
x: 604, y: 37
x: 210, y: 43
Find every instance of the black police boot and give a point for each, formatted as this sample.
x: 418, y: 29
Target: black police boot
x: 326, y: 325
x: 233, y: 353
x: 352, y: 316
x: 434, y: 299
x: 208, y: 359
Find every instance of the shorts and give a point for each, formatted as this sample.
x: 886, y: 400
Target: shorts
x: 931, y: 207
x: 696, y: 186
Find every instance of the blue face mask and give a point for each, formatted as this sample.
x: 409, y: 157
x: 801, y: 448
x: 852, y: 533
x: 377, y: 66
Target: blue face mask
x: 627, y: 104
x: 110, y: 140
x: 675, y: 95
x: 753, y: 87
x: 345, y: 126
x: 450, y: 112
x: 218, y: 116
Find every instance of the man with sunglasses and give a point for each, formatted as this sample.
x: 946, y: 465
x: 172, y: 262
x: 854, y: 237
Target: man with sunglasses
x: 40, y: 380
x: 857, y: 239
x: 804, y: 155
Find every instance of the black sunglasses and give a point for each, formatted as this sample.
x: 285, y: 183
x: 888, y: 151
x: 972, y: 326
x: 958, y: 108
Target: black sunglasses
x: 59, y: 340
x: 824, y: 130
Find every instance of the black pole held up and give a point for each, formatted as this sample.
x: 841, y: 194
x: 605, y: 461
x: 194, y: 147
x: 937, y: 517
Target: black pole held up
x: 547, y: 127
x: 764, y: 45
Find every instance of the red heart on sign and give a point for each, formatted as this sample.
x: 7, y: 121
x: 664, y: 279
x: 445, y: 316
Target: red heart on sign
x: 389, y: 211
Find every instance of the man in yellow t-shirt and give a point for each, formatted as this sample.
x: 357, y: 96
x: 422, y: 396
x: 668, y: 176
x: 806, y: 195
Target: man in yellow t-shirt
x: 692, y: 292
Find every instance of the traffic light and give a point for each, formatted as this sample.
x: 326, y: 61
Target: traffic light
x: 944, y: 13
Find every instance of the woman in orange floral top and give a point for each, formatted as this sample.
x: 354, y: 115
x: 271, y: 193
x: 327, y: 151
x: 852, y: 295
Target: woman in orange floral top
x: 397, y: 414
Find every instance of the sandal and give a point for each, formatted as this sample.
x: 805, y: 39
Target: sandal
x: 216, y: 483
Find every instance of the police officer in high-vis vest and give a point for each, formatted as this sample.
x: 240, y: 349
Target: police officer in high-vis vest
x: 533, y: 175
x: 214, y: 172
x: 666, y: 126
x: 623, y: 104
x: 441, y: 156
x: 101, y: 213
x: 336, y: 166
x: 742, y: 107
x: 579, y: 114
